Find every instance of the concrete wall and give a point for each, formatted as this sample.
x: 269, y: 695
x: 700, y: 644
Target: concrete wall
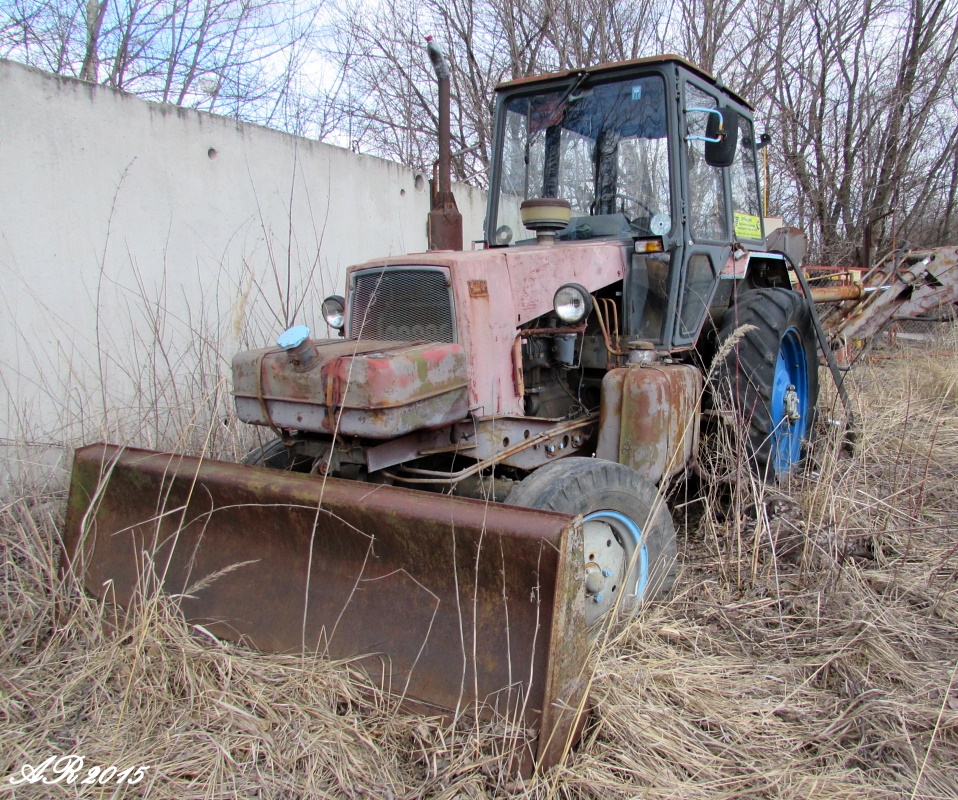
x: 141, y: 244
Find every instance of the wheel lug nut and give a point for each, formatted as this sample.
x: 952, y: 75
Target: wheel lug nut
x: 597, y: 598
x: 607, y: 573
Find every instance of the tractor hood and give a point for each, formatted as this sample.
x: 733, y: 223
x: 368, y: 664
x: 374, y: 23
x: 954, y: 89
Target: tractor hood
x: 478, y: 299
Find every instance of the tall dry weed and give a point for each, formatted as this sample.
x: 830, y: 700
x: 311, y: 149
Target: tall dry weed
x: 809, y: 651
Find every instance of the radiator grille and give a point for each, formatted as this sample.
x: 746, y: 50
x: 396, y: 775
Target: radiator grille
x: 401, y: 305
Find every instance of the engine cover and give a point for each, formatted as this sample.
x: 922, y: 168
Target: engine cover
x: 373, y: 389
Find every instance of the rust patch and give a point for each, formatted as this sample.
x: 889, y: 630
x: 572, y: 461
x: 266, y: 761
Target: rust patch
x: 478, y: 289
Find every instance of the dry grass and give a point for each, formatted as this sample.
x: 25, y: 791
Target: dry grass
x: 810, y: 652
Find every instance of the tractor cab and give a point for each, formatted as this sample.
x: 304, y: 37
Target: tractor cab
x: 653, y: 153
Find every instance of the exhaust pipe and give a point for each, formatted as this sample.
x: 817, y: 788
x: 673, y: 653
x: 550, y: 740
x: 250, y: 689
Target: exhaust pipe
x: 444, y: 224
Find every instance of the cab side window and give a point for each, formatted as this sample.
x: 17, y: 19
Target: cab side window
x: 746, y: 211
x: 706, y: 188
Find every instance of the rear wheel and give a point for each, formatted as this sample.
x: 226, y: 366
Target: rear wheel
x: 770, y: 376
x: 630, y: 548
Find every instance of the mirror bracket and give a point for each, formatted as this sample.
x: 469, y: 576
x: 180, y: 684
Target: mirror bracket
x: 695, y: 137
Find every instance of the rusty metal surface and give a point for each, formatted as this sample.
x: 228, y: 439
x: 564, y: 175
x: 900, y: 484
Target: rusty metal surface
x: 384, y: 389
x: 550, y: 443
x: 406, y: 448
x: 833, y: 294
x: 454, y: 604
x: 649, y: 418
x: 526, y: 442
x: 444, y: 223
x: 912, y: 285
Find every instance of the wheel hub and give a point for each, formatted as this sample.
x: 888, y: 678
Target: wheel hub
x: 789, y: 407
x: 792, y: 403
x: 606, y: 562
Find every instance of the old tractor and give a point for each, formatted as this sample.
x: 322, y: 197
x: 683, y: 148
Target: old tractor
x: 466, y: 478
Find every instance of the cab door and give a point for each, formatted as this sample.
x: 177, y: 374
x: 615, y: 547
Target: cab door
x: 707, y: 238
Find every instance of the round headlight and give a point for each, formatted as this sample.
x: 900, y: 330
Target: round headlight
x: 334, y: 311
x: 572, y: 303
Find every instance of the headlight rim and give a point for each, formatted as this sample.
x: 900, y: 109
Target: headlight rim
x: 330, y: 317
x: 586, y: 303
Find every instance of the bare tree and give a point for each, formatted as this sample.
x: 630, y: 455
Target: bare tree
x: 859, y: 94
x: 864, y: 109
x: 233, y: 57
x: 391, y: 90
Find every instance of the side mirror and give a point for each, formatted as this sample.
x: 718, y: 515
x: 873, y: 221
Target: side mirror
x: 721, y: 134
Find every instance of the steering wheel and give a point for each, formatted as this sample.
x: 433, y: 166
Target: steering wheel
x: 629, y: 198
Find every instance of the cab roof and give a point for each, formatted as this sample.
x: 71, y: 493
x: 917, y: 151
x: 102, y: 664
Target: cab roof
x: 614, y: 66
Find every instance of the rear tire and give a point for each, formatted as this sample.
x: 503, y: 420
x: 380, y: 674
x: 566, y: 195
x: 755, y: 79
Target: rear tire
x: 630, y: 547
x: 769, y: 379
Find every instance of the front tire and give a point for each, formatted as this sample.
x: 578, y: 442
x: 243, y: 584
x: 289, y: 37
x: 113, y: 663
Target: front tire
x: 769, y: 378
x: 276, y: 454
x: 630, y: 548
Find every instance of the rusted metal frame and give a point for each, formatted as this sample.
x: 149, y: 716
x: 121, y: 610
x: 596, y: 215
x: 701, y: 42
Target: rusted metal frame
x: 395, y: 451
x: 493, y: 434
x: 435, y: 477
x: 918, y: 281
x: 878, y: 267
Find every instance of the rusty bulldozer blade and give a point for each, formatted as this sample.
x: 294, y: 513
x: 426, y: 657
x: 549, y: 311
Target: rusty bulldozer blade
x: 454, y: 605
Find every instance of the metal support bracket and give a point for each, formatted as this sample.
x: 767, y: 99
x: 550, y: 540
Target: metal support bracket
x: 851, y: 422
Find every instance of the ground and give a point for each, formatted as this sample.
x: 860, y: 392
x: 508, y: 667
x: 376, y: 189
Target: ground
x: 809, y: 650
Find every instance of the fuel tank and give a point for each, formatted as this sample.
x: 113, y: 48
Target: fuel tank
x: 650, y: 418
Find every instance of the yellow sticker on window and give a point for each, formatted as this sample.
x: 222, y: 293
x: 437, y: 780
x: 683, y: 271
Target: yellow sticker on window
x: 748, y: 226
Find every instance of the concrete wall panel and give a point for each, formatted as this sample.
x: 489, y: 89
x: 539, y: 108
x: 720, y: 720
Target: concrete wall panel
x: 141, y: 244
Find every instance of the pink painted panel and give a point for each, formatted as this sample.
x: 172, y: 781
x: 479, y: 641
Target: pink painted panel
x: 496, y: 290
x: 485, y: 309
x: 536, y: 272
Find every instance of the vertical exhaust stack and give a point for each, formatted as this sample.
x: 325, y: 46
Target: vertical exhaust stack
x: 444, y: 224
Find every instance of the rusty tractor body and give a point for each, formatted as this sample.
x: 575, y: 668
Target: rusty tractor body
x: 468, y: 478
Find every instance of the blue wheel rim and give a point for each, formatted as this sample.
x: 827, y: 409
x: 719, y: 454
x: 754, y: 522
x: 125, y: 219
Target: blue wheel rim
x: 626, y: 529
x: 791, y: 370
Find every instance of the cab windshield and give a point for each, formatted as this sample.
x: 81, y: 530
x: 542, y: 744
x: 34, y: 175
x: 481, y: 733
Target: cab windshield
x: 602, y: 147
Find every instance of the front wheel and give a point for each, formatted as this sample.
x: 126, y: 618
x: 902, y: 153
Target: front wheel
x: 630, y: 549
x: 276, y: 454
